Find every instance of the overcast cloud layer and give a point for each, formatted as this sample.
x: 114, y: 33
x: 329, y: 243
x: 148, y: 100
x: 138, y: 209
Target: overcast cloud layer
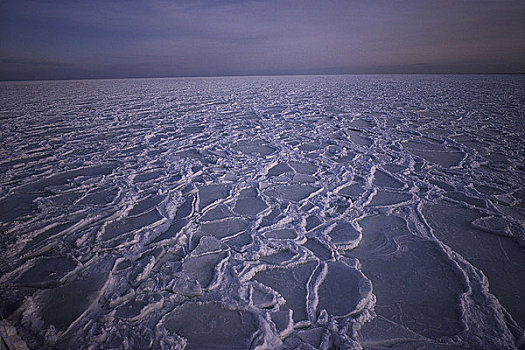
x: 106, y: 39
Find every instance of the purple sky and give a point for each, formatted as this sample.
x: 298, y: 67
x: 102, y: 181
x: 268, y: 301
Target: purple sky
x: 44, y: 39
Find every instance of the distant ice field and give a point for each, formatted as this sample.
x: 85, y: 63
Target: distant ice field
x: 301, y: 212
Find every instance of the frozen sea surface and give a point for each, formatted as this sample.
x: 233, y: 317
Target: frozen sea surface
x: 328, y: 212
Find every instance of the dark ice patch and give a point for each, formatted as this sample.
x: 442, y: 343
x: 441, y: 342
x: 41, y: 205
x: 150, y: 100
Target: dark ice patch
x: 212, y: 326
x: 345, y: 235
x: 279, y: 169
x: 249, y: 206
x: 398, y: 275
x: 46, y: 272
x: 291, y: 284
x: 353, y: 191
x: 281, y: 234
x: 343, y: 290
x: 383, y: 179
x: 500, y: 258
x: 294, y: 193
x: 304, y: 168
x: 129, y: 224
x: 218, y: 213
x: 211, y: 193
x: 387, y: 198
x: 63, y: 305
x: 254, y: 148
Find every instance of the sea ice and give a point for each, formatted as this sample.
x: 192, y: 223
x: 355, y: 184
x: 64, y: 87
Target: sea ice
x: 301, y: 212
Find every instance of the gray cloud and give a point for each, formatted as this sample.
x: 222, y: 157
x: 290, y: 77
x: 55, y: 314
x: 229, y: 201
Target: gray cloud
x: 165, y: 38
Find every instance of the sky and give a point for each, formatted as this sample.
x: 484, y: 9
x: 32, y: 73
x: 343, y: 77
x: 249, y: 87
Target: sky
x: 75, y: 39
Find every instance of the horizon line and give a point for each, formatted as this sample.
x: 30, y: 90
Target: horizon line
x: 253, y: 75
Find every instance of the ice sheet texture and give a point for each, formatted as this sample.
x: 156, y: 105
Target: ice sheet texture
x: 327, y: 212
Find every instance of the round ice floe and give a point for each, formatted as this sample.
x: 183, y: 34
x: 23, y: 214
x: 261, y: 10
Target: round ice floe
x: 249, y: 206
x: 440, y: 154
x: 224, y: 228
x: 383, y: 198
x: 212, y: 193
x: 344, y: 290
x: 344, y: 235
x: 383, y: 179
x: 309, y: 339
x: 294, y: 193
x: 218, y: 213
x: 212, y: 326
x: 278, y: 258
x: 254, y: 148
x: 291, y: 284
x: 278, y: 169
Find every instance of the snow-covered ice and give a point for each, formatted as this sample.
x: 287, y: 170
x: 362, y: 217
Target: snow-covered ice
x: 320, y: 212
